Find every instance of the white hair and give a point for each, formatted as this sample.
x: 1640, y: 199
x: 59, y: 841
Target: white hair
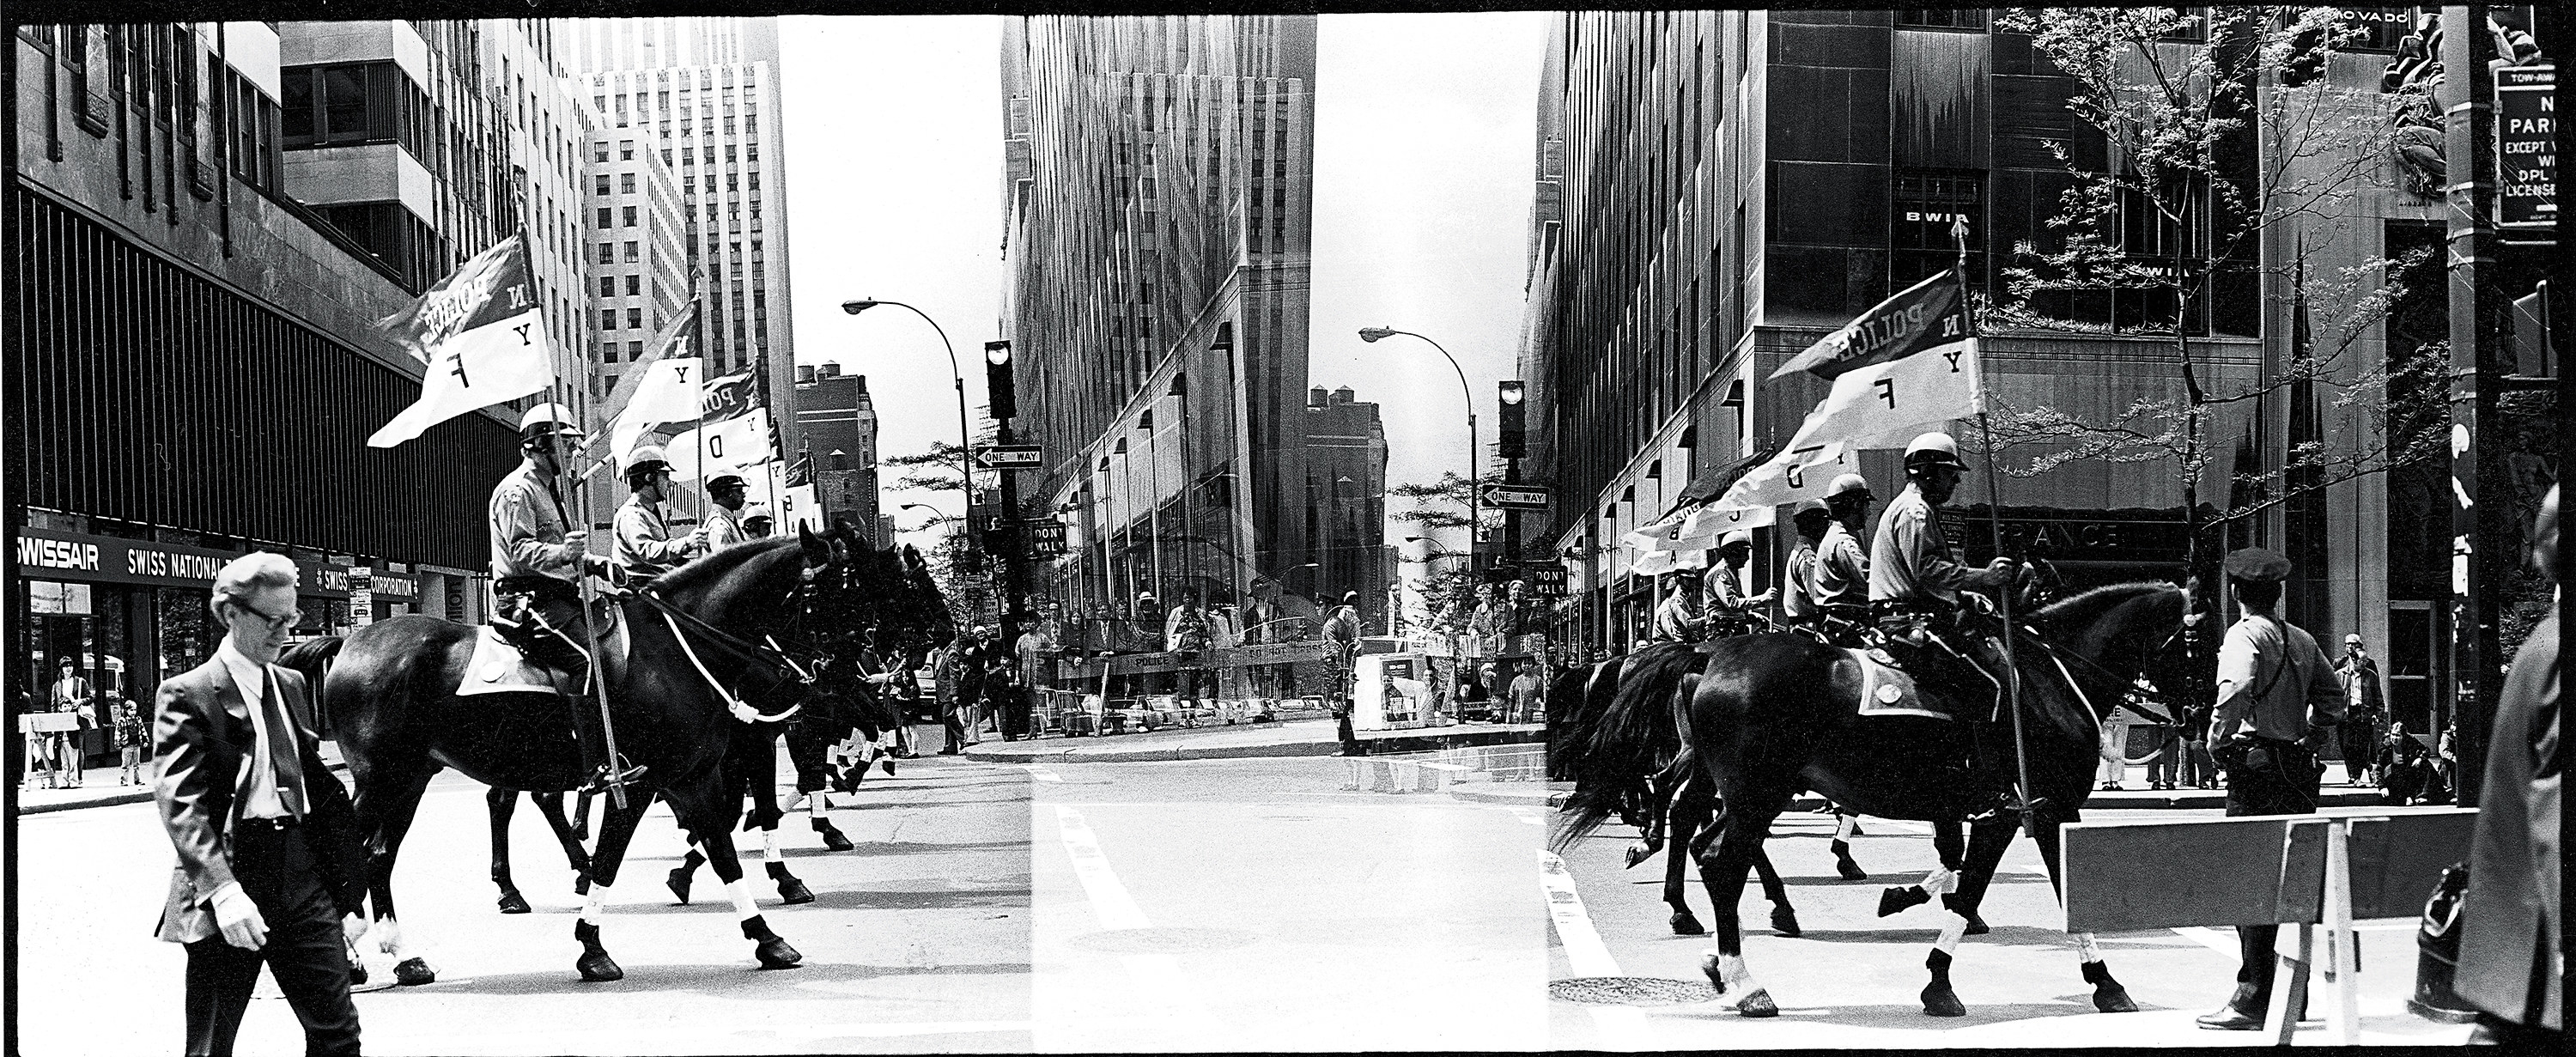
x: 255, y: 571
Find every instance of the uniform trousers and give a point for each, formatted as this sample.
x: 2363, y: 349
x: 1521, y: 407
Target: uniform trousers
x: 2286, y: 786
x: 304, y: 951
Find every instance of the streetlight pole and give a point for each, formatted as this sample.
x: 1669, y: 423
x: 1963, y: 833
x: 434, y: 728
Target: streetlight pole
x: 965, y: 439
x: 1475, y: 497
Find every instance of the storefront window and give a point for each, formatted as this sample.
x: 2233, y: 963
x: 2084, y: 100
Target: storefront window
x: 189, y: 633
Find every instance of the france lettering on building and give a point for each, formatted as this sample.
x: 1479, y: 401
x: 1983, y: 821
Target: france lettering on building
x: 44, y: 553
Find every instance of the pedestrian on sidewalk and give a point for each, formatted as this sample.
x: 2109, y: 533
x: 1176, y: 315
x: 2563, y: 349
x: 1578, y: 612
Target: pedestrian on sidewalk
x: 1528, y: 694
x: 71, y: 696
x: 269, y: 870
x: 2277, y: 702
x: 128, y: 732
x: 2364, y: 706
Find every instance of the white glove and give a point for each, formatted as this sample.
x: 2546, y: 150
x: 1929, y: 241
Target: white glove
x: 239, y: 918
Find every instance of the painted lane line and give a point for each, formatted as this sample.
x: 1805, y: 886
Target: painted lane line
x: 1159, y: 975
x: 1040, y: 773
x: 1622, y: 1027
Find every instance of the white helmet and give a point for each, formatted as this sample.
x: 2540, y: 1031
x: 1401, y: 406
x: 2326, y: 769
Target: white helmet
x: 645, y: 458
x: 1739, y: 536
x: 548, y: 418
x: 1933, y: 449
x: 1846, y: 485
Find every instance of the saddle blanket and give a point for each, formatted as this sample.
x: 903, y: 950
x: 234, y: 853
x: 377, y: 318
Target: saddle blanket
x: 498, y: 668
x: 1886, y: 690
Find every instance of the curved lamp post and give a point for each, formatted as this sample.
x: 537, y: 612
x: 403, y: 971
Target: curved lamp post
x: 1475, y: 498
x: 965, y: 442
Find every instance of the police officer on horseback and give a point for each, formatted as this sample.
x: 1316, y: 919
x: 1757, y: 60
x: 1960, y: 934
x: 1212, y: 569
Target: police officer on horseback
x: 537, y: 562
x: 1841, y: 573
x: 1679, y: 617
x: 1917, y: 592
x: 724, y: 526
x: 1728, y: 609
x: 645, y: 547
x: 1798, y: 581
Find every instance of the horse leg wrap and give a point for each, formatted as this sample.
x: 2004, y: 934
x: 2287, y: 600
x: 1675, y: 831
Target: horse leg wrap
x: 743, y: 907
x: 1845, y: 826
x: 769, y: 845
x: 1950, y: 934
x: 816, y: 805
x: 1729, y: 971
x: 2089, y: 953
x: 594, y: 908
x: 790, y: 890
x: 1938, y: 999
x: 1941, y: 881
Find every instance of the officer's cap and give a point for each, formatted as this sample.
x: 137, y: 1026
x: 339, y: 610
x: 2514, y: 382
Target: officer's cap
x: 546, y: 419
x: 1933, y: 449
x: 1811, y: 508
x: 1738, y: 538
x: 1847, y: 484
x: 2257, y: 565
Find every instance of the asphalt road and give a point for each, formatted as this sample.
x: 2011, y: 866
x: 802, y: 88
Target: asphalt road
x: 1853, y: 979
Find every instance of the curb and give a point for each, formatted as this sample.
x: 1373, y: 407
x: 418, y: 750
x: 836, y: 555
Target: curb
x: 2177, y: 800
x: 136, y: 795
x: 1377, y: 747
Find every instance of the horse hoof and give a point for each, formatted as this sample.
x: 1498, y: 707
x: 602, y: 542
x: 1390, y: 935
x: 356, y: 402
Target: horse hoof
x: 774, y: 953
x: 1976, y: 926
x: 679, y: 882
x: 1784, y: 922
x: 598, y: 968
x: 413, y: 972
x: 1758, y: 1004
x: 2113, y: 998
x: 1686, y: 924
x: 1637, y: 853
x: 357, y: 972
x: 834, y: 839
x: 513, y: 903
x: 1893, y: 900
x: 1940, y: 1001
x: 1850, y: 870
x: 792, y: 891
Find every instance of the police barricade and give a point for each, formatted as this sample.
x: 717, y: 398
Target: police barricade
x: 2330, y: 869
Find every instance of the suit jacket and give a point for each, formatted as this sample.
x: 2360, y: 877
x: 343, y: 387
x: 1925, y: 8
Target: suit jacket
x: 201, y: 733
x: 2510, y: 915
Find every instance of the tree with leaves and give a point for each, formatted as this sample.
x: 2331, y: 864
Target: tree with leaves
x: 2218, y: 157
x: 1450, y: 590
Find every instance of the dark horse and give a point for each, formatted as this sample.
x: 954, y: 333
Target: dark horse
x: 1779, y: 713
x: 389, y: 697
x: 1631, y: 702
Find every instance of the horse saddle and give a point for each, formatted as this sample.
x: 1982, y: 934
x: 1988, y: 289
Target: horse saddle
x: 498, y: 667
x: 1887, y: 690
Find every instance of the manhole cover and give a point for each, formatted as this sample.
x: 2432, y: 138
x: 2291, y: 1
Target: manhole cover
x: 1164, y: 940
x: 1630, y: 991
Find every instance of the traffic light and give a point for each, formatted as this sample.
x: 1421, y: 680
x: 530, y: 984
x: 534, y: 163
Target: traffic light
x: 1514, y: 440
x: 997, y: 380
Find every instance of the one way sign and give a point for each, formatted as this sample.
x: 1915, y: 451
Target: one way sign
x: 1516, y: 496
x: 1010, y: 457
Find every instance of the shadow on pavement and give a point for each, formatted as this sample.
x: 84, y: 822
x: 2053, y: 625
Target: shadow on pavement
x: 2002, y: 935
x: 1902, y: 1017
x: 720, y: 979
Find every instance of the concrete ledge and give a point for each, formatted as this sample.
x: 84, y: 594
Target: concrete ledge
x: 114, y: 795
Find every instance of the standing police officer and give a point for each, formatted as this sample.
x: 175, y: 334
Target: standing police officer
x: 2277, y: 694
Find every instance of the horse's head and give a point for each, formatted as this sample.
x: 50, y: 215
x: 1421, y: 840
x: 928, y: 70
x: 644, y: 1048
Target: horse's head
x: 2119, y: 632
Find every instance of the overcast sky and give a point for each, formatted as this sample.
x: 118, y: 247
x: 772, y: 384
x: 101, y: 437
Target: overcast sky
x: 1423, y: 170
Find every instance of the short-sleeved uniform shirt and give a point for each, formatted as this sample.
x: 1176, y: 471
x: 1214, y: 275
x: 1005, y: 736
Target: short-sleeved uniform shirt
x: 1841, y: 573
x: 2281, y: 661
x: 1910, y: 561
x: 528, y: 529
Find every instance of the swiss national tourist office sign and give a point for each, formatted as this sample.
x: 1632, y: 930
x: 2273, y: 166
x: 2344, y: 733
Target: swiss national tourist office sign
x: 2527, y: 146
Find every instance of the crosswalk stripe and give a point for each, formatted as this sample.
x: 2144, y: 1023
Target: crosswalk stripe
x: 1622, y: 1028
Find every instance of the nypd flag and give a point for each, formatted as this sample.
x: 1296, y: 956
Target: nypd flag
x: 480, y: 333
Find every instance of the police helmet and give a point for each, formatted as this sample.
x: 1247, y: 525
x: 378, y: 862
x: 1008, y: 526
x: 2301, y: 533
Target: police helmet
x: 1933, y: 449
x: 1847, y: 484
x: 645, y: 461
x: 1738, y: 538
x: 546, y: 420
x: 1811, y: 510
x: 722, y: 481
x: 757, y: 515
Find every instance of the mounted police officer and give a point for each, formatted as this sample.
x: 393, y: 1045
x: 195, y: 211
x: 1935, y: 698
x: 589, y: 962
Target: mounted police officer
x: 1728, y: 609
x: 757, y: 524
x: 1798, y: 580
x: 645, y: 546
x: 724, y: 520
x: 2277, y: 696
x: 537, y: 564
x: 1679, y: 617
x: 1916, y: 594
x: 1841, y: 573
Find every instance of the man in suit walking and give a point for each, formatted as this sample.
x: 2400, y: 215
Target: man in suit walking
x: 269, y: 869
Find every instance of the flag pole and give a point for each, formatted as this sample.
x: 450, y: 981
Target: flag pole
x: 1995, y: 528
x: 581, y: 573
x: 697, y: 319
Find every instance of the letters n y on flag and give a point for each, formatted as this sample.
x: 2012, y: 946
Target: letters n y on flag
x: 1907, y: 365
x: 480, y: 334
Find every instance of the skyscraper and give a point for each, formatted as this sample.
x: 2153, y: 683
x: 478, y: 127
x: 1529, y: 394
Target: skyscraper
x: 701, y: 95
x: 839, y: 421
x: 1156, y: 213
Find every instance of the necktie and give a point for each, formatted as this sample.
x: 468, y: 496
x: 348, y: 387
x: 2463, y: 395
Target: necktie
x: 285, y: 757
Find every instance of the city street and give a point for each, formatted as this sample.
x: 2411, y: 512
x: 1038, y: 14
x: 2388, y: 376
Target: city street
x: 1853, y: 978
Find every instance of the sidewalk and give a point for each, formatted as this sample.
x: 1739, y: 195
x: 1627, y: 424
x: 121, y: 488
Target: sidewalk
x: 1298, y: 737
x: 98, y: 788
x: 2334, y: 794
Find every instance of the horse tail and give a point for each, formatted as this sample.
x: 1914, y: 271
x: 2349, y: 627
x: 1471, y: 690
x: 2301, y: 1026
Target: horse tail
x: 1565, y: 720
x: 313, y: 659
x: 1623, y: 745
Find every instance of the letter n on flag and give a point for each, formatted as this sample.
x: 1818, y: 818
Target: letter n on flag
x: 481, y: 335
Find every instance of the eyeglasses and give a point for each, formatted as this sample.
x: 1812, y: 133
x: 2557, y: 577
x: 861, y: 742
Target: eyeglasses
x: 272, y: 621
